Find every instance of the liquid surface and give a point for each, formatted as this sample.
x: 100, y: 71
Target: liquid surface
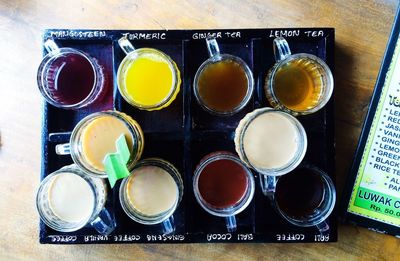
x: 70, y: 79
x: 71, y: 198
x: 99, y: 136
x: 149, y: 79
x: 299, y: 193
x: 151, y: 190
x: 223, y: 85
x: 270, y: 141
x: 298, y: 84
x: 223, y: 183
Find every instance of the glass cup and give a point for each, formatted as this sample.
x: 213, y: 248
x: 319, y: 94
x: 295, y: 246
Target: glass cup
x: 224, y: 190
x: 64, y: 216
x: 69, y: 78
x: 152, y: 192
x: 272, y: 142
x: 229, y: 79
x: 321, y: 197
x: 260, y: 137
x: 300, y: 83
x: 83, y: 131
x: 140, y: 89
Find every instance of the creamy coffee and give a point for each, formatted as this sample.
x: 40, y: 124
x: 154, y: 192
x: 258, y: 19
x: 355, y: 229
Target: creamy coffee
x: 270, y: 141
x: 71, y: 198
x: 151, y: 190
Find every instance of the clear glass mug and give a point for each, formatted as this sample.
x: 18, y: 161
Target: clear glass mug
x: 230, y: 211
x: 252, y: 158
x: 268, y: 175
x: 61, y: 65
x: 136, y: 209
x: 100, y: 218
x: 319, y: 215
x: 132, y: 55
x: 309, y: 78
x: 215, y: 58
x: 74, y: 147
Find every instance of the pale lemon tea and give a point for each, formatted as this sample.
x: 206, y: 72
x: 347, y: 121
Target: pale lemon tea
x: 298, y: 84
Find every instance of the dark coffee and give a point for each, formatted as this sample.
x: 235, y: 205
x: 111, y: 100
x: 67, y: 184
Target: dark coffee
x: 299, y: 193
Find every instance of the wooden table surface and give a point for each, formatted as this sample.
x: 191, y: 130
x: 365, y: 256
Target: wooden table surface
x: 362, y: 29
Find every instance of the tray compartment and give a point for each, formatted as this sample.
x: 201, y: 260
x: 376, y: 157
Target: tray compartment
x: 169, y: 119
x: 319, y: 134
x: 196, y: 53
x: 200, y: 222
x: 61, y: 120
x: 172, y: 151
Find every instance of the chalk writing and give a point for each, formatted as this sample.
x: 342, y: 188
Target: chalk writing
x: 219, y: 237
x: 290, y: 237
x: 126, y: 238
x: 95, y: 238
x: 65, y: 239
x: 231, y: 35
x: 295, y: 33
x: 245, y: 237
x: 165, y: 237
x: 78, y: 34
x: 146, y: 36
x: 321, y: 238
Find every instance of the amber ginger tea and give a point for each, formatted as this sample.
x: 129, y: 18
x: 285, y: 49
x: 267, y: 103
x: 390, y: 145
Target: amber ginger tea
x: 298, y: 84
x: 223, y: 85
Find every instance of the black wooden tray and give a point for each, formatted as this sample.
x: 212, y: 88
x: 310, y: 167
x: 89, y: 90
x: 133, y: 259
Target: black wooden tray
x: 183, y: 133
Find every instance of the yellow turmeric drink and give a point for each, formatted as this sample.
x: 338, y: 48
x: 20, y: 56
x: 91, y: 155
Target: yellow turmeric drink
x: 148, y: 79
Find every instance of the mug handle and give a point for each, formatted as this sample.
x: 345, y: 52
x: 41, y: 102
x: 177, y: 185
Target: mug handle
x: 268, y: 185
x: 63, y: 149
x: 168, y: 226
x: 281, y: 49
x: 212, y: 46
x: 104, y: 223
x: 231, y: 223
x: 51, y: 46
x: 125, y: 45
x: 323, y: 228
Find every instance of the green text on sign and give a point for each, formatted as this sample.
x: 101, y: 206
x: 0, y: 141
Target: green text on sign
x: 378, y: 202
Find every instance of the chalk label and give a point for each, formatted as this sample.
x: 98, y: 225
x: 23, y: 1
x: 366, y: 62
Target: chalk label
x: 228, y: 35
x: 290, y: 237
x: 295, y: 33
x: 78, y: 34
x: 146, y: 36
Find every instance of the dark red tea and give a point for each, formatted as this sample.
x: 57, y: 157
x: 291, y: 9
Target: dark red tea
x: 223, y: 183
x: 300, y: 192
x: 70, y: 79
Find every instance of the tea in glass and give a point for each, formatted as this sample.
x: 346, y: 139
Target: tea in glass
x: 69, y: 78
x: 223, y: 85
x: 298, y: 84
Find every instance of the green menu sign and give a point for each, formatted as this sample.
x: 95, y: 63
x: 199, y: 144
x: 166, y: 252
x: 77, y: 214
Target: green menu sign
x: 376, y: 193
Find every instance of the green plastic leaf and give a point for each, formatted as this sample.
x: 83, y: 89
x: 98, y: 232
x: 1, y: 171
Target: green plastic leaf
x: 115, y: 163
